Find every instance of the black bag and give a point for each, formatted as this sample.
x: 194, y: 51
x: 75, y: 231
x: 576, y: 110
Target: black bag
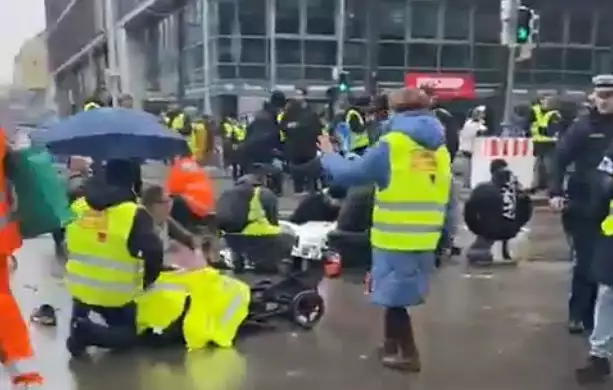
x: 232, y: 209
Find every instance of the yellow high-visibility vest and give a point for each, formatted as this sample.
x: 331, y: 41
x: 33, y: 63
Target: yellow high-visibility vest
x: 258, y: 224
x: 357, y: 140
x: 409, y: 213
x: 91, y: 106
x: 218, y: 306
x: 541, y: 121
x: 100, y: 270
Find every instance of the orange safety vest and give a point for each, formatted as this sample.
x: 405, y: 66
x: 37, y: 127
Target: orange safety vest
x: 187, y: 180
x: 10, y: 237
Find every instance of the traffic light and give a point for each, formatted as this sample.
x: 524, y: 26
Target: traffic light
x: 343, y: 81
x: 523, y: 32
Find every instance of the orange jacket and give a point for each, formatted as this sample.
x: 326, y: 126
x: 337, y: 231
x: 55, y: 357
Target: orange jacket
x: 188, y: 180
x: 10, y: 237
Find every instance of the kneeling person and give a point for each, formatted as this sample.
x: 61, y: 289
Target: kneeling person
x: 248, y: 214
x: 114, y: 254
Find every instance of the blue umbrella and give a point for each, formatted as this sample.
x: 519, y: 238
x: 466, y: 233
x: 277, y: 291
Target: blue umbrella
x: 112, y: 133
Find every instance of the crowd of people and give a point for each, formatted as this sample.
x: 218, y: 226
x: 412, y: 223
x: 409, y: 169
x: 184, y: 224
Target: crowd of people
x: 387, y: 173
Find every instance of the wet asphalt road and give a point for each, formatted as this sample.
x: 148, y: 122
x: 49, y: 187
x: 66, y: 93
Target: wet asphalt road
x: 498, y: 329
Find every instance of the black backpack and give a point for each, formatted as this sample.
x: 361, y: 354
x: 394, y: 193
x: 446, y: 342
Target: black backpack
x: 232, y: 208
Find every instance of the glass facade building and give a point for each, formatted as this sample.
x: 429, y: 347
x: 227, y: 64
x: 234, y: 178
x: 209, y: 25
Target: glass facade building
x: 265, y: 42
x: 207, y: 48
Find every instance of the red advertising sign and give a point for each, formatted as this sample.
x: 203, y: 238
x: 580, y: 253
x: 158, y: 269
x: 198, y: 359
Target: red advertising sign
x: 446, y: 85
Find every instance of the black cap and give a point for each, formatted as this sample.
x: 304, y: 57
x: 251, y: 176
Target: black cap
x: 278, y: 99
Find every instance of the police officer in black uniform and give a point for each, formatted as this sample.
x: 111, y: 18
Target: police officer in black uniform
x: 583, y: 145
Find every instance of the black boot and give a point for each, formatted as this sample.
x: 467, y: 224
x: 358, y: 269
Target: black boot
x: 598, y: 370
x: 575, y: 327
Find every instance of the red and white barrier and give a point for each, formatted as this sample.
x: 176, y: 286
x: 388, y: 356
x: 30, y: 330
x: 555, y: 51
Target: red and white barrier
x: 517, y: 152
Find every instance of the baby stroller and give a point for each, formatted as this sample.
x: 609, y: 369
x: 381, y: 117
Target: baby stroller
x: 280, y: 289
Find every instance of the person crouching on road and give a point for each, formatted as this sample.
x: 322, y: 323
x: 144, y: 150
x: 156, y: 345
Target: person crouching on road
x: 110, y: 241
x: 495, y: 211
x: 248, y: 214
x: 411, y: 169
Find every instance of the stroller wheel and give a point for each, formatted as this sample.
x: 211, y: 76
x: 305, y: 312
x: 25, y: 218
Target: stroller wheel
x: 307, y: 309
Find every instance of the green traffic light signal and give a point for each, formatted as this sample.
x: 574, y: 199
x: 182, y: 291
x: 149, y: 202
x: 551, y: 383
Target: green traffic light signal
x: 522, y: 35
x: 343, y: 87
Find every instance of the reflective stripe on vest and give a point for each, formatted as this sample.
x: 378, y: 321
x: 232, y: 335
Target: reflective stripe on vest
x: 105, y: 264
x: 408, y: 207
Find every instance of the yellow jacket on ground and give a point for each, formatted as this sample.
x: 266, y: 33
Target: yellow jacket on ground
x: 218, y: 306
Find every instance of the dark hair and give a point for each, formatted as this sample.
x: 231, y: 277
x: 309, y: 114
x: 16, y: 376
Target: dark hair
x: 497, y: 165
x: 152, y: 195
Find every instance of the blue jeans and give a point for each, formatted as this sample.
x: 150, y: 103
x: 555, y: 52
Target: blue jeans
x: 601, y: 340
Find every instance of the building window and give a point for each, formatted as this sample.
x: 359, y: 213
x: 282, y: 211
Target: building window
x: 603, y: 61
x: 604, y: 38
x: 391, y: 54
x: 487, y: 57
x: 580, y: 27
x: 486, y: 23
x: 424, y: 19
x: 487, y: 76
x: 321, y: 17
x: 548, y: 78
x: 392, y: 27
x: 195, y: 57
x: 252, y: 72
x: 355, y: 54
x: 355, y: 25
x: 552, y: 26
x: 316, y: 73
x: 227, y: 17
x: 547, y: 58
x: 455, y: 56
x: 289, y: 51
x: 226, y: 72
x: 422, y: 55
x: 224, y: 50
x: 252, y: 17
x: 456, y: 25
x: 578, y: 79
x: 391, y: 75
x: 578, y: 60
x: 287, y: 17
x: 290, y: 73
x: 254, y: 51
x: 320, y: 52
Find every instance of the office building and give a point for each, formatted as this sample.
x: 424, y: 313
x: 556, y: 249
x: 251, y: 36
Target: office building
x: 231, y: 53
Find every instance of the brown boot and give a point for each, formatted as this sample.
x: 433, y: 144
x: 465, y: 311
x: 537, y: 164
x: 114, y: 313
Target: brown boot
x: 389, y: 347
x: 407, y: 358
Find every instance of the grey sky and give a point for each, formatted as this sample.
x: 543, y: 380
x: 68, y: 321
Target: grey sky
x: 20, y: 20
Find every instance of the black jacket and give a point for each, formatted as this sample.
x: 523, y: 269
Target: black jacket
x: 232, y: 206
x: 583, y: 144
x: 497, y: 210
x: 262, y: 141
x: 301, y: 126
x: 315, y: 207
x: 356, y: 212
x: 452, y: 130
x: 143, y: 240
x: 603, y: 262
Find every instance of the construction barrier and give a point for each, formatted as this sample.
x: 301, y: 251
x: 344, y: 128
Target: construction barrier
x: 517, y: 152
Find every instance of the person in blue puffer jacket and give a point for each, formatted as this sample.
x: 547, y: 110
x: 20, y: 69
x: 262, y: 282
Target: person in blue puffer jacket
x: 411, y: 169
